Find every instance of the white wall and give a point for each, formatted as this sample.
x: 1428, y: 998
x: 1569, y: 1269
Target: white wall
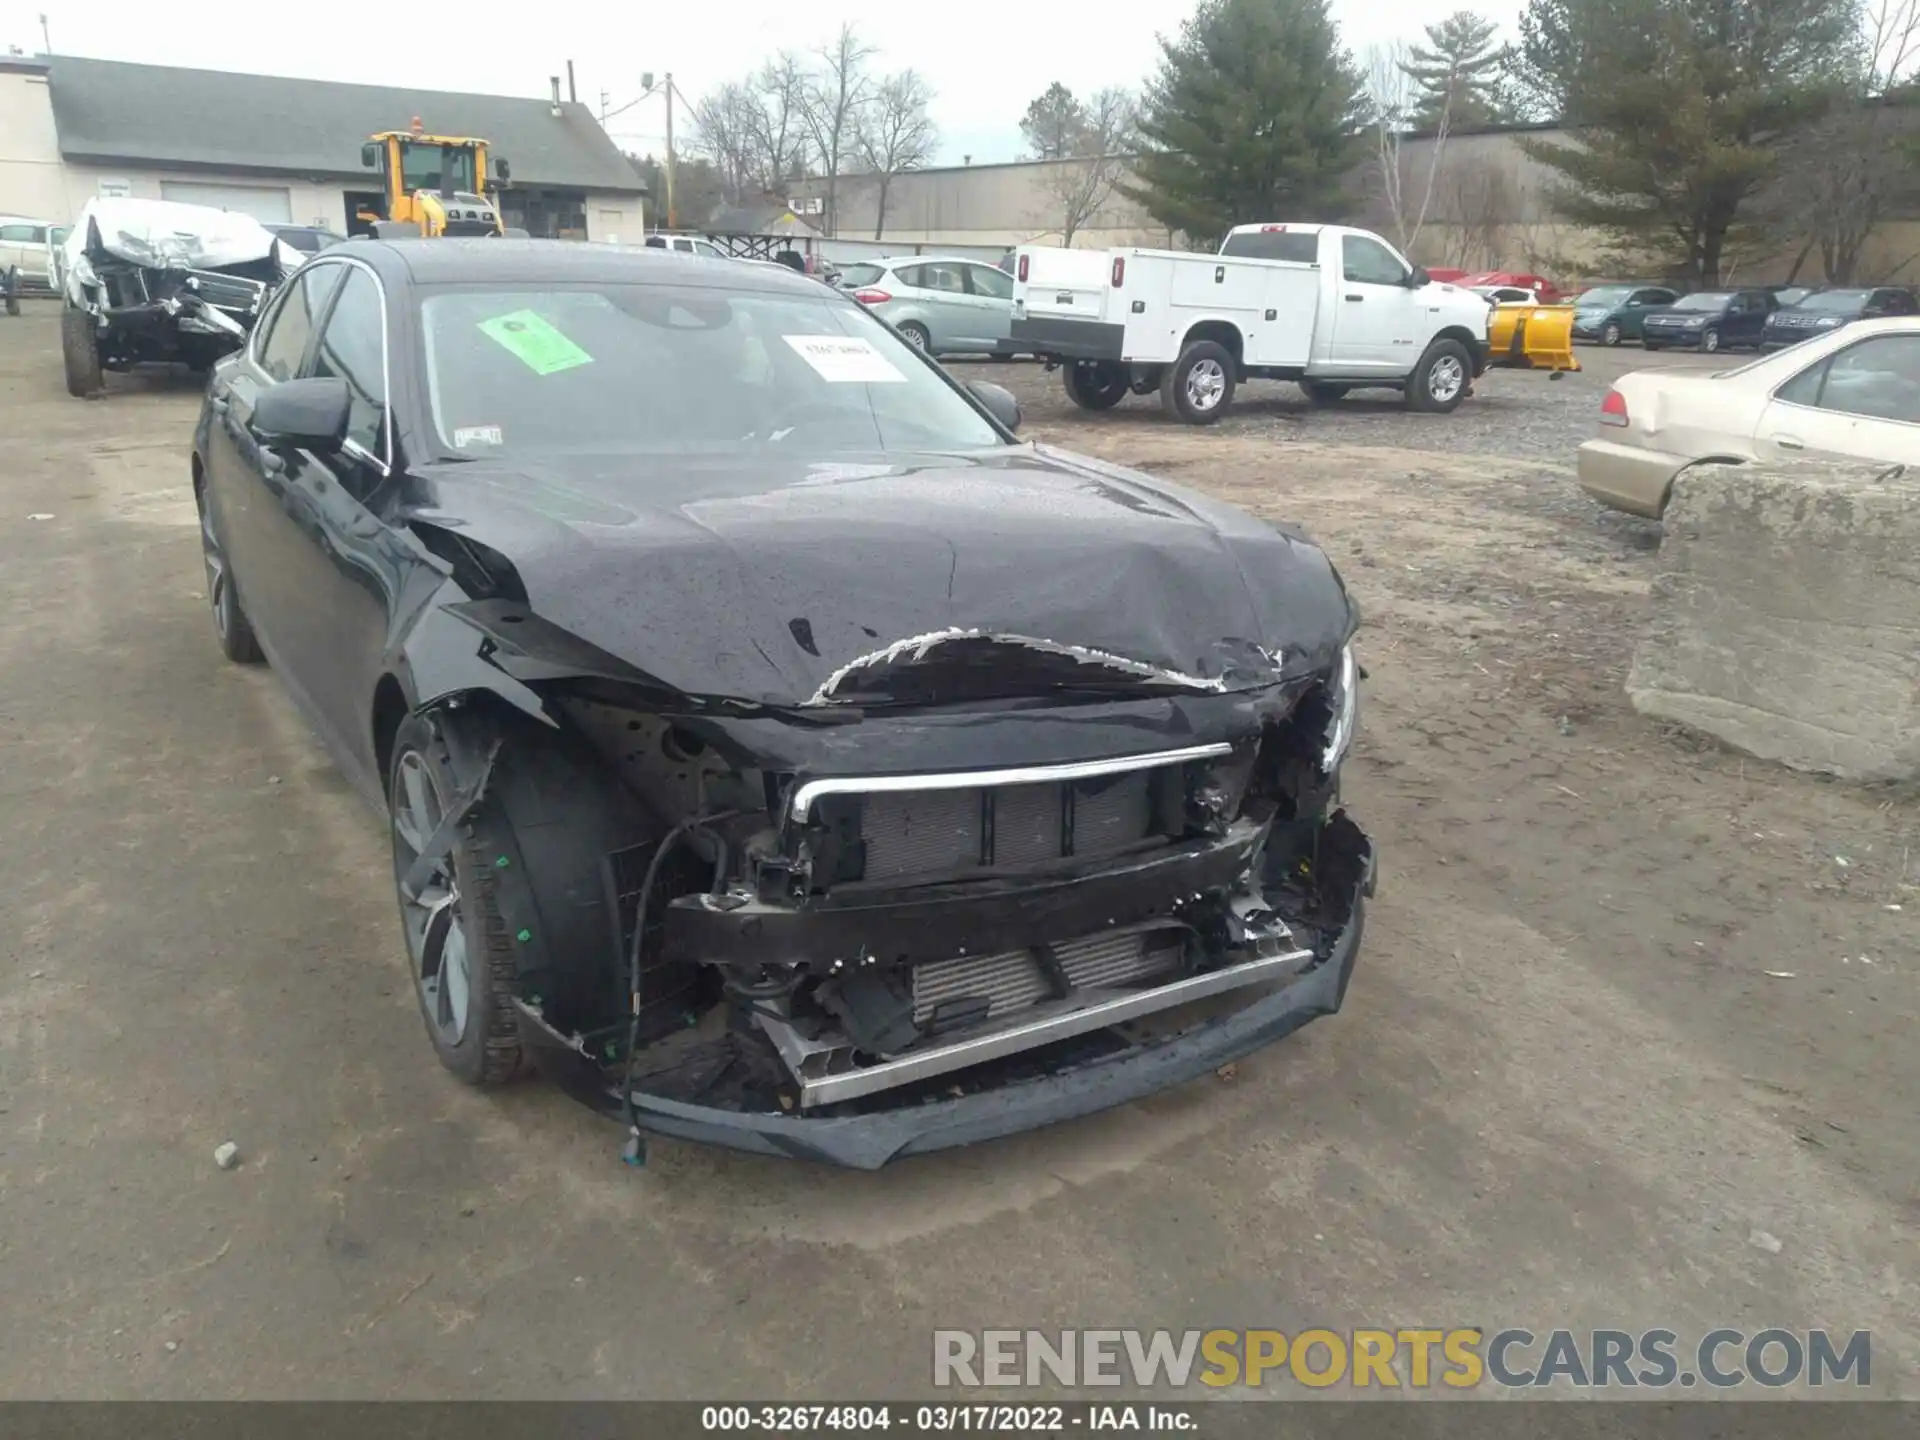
x: 615, y: 219
x: 32, y: 180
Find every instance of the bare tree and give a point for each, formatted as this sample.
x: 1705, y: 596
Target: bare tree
x: 1476, y: 200
x: 1095, y: 157
x: 894, y: 133
x: 834, y: 96
x: 724, y: 123
x: 1405, y: 191
x: 780, y: 129
x: 1843, y: 175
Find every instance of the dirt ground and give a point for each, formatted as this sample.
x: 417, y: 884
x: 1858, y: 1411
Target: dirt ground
x: 1630, y: 1007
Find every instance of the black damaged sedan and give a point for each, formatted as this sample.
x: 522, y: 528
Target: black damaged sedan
x: 778, y: 753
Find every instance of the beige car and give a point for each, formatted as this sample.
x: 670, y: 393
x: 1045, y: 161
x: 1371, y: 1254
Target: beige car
x: 1854, y: 393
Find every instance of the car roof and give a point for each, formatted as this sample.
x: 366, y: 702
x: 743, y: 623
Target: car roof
x: 489, y: 261
x: 895, y: 261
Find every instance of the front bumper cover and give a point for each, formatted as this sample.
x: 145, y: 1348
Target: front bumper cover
x: 869, y: 1141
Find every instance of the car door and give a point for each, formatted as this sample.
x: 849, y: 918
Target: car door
x: 991, y: 293
x: 1759, y: 305
x: 13, y: 246
x: 348, y: 564
x: 1378, y: 320
x: 245, y: 479
x: 940, y: 295
x: 1861, y: 402
x: 1633, y: 314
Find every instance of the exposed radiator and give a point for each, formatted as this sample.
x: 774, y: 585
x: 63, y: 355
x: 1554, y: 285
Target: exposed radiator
x: 1014, y: 980
x: 940, y: 832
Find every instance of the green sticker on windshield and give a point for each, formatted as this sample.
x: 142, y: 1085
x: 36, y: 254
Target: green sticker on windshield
x: 535, y: 343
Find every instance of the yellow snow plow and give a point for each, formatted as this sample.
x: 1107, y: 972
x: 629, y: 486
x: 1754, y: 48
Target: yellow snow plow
x: 1528, y: 336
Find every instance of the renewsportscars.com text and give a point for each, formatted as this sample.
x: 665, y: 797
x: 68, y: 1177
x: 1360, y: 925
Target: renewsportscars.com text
x: 1416, y: 1359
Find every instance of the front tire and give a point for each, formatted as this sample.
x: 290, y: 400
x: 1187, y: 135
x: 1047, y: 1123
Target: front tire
x: 80, y: 353
x: 915, y: 334
x: 1198, y: 387
x: 1441, y: 380
x: 459, y: 952
x: 1096, y: 384
x: 1710, y: 340
x: 1610, y: 336
x: 1319, y: 392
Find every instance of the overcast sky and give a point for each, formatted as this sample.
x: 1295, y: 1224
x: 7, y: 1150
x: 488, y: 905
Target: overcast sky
x: 985, y: 62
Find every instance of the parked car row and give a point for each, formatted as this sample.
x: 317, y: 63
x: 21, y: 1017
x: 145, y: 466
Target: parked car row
x: 1755, y: 317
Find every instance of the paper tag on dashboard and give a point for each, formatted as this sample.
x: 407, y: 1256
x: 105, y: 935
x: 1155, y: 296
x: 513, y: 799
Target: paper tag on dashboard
x: 844, y: 360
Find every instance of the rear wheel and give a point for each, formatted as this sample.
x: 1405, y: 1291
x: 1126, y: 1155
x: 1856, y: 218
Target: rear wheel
x: 1440, y: 381
x: 230, y: 624
x: 1321, y: 393
x: 1198, y: 387
x: 1096, y: 384
x: 915, y: 334
x: 80, y: 353
x: 10, y: 284
x: 458, y: 948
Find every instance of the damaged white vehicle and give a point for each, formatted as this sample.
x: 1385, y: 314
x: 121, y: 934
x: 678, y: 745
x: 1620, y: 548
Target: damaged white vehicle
x: 157, y: 281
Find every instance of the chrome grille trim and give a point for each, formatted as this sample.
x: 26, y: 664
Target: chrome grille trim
x: 805, y: 794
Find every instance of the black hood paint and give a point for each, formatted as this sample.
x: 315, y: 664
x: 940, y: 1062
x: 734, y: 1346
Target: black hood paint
x: 757, y: 578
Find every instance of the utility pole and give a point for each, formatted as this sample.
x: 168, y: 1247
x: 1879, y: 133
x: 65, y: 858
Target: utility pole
x: 670, y: 214
x: 46, y: 41
x: 572, y: 99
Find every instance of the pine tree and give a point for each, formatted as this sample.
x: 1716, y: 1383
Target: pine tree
x: 1460, y: 62
x: 1254, y: 115
x: 1053, y: 123
x: 1681, y: 109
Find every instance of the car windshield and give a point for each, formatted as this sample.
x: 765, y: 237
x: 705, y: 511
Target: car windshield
x: 1792, y: 294
x: 1603, y: 295
x: 654, y: 369
x: 1704, y: 300
x: 1835, y: 300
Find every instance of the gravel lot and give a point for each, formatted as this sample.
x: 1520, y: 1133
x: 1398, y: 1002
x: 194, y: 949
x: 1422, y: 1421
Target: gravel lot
x: 1566, y: 1089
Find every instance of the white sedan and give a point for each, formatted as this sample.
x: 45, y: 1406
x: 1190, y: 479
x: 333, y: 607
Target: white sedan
x: 1853, y: 394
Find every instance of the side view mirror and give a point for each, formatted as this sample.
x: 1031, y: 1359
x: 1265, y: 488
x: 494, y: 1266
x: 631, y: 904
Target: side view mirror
x: 305, y: 414
x: 502, y: 171
x: 1417, y: 277
x: 370, y: 154
x: 998, y: 400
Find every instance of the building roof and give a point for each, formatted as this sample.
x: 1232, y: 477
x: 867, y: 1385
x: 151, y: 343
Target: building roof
x: 112, y: 111
x: 760, y: 220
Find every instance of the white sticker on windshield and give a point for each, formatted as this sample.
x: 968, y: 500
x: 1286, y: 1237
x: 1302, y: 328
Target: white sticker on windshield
x: 843, y: 360
x: 476, y: 435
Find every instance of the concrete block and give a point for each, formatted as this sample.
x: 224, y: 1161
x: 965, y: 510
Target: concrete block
x: 1786, y: 615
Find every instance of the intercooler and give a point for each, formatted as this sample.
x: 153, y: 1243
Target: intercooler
x: 1016, y: 979
x: 917, y: 834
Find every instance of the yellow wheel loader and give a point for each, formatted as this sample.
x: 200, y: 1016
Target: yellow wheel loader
x: 434, y: 185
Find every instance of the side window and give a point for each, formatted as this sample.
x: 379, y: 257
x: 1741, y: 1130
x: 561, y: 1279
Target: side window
x: 1368, y: 262
x: 291, y: 324
x: 350, y: 348
x: 944, y: 277
x: 709, y: 249
x: 1804, y: 388
x: 16, y: 232
x: 913, y: 275
x: 994, y: 284
x: 1878, y: 378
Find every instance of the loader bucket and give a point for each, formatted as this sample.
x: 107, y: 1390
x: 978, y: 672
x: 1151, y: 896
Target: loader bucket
x: 1537, y: 337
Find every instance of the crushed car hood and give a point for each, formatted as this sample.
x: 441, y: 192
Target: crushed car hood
x: 795, y: 583
x: 170, y: 235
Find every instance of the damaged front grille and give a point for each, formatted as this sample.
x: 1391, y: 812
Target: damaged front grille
x: 920, y: 834
x: 990, y: 986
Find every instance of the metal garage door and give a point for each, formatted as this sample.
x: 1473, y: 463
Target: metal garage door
x: 260, y: 201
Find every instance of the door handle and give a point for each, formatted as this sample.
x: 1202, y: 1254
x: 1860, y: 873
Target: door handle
x: 1787, y: 442
x: 1356, y: 297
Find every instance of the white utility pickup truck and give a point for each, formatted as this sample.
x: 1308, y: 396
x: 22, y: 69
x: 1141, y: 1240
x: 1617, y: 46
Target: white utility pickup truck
x: 1329, y: 308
